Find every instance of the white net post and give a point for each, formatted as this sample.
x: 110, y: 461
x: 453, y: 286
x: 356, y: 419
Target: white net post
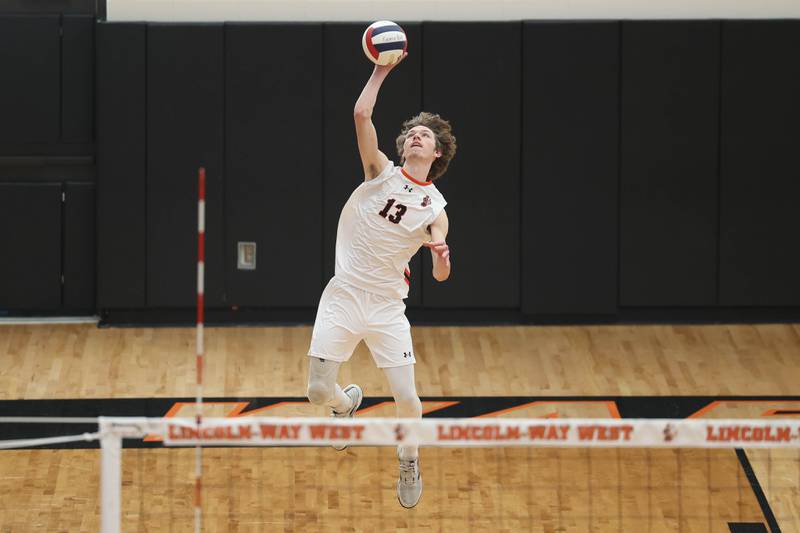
x: 112, y: 431
x: 111, y: 482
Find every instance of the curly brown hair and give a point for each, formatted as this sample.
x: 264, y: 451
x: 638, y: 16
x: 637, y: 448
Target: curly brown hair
x: 445, y: 141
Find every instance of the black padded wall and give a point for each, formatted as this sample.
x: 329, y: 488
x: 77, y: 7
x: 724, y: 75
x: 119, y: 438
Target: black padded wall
x: 273, y: 127
x: 760, y: 180
x: 77, y: 78
x: 30, y: 271
x: 79, y: 246
x: 120, y: 111
x: 540, y: 220
x: 346, y: 71
x: 570, y: 168
x: 668, y: 179
x: 29, y: 97
x: 185, y: 131
x: 480, y: 94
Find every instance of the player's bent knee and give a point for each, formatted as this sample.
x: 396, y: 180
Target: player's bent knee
x: 319, y: 393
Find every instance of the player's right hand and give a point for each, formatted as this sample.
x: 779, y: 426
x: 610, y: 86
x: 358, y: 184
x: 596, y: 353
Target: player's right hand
x: 387, y: 68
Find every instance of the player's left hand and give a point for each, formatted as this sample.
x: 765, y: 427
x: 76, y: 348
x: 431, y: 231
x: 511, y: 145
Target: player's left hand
x: 441, y: 249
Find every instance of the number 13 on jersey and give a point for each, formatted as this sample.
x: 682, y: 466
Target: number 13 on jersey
x: 400, y: 210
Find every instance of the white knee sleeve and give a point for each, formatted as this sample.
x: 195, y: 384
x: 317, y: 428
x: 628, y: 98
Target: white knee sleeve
x: 322, y: 381
x: 319, y: 393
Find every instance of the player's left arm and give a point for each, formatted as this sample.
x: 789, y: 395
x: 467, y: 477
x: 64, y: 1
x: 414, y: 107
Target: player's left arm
x: 440, y: 252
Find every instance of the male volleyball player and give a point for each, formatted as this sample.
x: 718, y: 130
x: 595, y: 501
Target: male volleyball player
x: 383, y: 224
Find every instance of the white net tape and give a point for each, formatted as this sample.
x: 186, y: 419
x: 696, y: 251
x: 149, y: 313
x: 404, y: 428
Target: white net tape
x: 307, y: 431
x: 650, y: 433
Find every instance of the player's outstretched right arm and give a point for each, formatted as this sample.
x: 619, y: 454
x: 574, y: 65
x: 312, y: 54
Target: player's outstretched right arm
x: 372, y: 158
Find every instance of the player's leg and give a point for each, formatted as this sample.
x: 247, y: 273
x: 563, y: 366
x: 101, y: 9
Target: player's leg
x: 404, y: 390
x: 409, y: 483
x: 322, y: 386
x: 337, y: 331
x: 389, y: 340
x: 335, y: 336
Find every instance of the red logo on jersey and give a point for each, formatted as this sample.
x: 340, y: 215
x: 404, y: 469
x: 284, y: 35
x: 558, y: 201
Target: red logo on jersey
x: 426, y: 201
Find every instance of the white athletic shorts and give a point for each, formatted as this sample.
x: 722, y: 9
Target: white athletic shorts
x: 347, y: 314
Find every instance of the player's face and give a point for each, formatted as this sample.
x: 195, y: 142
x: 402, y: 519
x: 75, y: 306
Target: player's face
x: 420, y: 143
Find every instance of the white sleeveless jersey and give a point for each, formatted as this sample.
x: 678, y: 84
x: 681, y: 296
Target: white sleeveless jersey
x: 381, y: 227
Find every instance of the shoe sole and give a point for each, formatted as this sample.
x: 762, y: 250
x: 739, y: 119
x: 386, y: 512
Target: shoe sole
x: 352, y: 412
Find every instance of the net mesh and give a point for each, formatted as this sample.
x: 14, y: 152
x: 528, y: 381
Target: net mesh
x: 486, y: 489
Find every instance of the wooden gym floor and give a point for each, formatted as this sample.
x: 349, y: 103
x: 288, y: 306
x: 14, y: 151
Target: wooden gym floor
x: 511, y: 489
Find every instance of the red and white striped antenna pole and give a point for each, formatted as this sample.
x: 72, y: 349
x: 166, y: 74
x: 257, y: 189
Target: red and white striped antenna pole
x: 201, y: 259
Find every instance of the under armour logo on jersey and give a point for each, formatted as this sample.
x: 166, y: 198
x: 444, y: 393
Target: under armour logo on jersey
x: 407, y: 354
x: 407, y: 188
x: 426, y: 201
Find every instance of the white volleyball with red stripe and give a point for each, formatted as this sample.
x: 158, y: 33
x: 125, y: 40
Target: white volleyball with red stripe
x: 384, y: 42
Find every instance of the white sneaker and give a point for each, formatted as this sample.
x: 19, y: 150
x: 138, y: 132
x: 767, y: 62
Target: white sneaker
x: 355, y: 393
x: 409, y: 486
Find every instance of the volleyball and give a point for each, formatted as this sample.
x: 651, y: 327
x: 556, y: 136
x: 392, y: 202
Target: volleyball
x: 384, y: 42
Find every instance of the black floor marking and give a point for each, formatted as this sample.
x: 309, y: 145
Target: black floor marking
x: 759, y: 493
x: 747, y: 527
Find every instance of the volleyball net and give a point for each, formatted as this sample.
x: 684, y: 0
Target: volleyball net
x: 574, y: 474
